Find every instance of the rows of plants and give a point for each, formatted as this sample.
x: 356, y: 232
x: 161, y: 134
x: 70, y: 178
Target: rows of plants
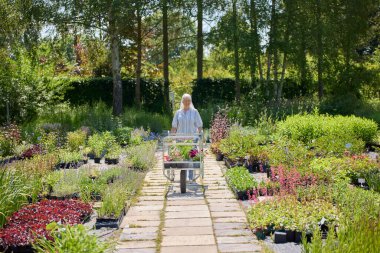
x: 321, y: 182
x: 50, y: 185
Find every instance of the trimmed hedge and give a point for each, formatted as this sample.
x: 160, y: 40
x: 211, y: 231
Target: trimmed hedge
x: 91, y: 90
x: 207, y: 90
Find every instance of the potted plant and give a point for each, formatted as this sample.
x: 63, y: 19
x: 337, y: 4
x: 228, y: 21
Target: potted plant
x: 112, y: 211
x: 97, y: 144
x: 112, y: 156
x: 240, y: 181
x: 69, y: 159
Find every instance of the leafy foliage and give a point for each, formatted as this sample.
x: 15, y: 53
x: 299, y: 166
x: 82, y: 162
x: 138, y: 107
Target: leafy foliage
x: 69, y: 239
x: 240, y: 179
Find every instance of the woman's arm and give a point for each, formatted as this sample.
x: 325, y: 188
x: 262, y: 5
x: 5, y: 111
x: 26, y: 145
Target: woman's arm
x: 174, y: 123
x: 198, y: 122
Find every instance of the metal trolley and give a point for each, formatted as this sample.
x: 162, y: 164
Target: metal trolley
x: 176, y: 142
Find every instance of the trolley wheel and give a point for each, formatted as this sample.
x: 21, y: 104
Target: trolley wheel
x: 183, y: 181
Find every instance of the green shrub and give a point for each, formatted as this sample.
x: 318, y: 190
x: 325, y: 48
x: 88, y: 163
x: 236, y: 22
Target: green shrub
x: 69, y: 239
x: 123, y: 135
x: 308, y: 128
x: 66, y: 156
x: 76, y: 139
x: 238, y: 143
x: 97, y: 144
x: 240, y: 179
x: 289, y: 213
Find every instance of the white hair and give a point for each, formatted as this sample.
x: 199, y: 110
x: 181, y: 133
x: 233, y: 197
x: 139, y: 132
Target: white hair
x: 191, y: 101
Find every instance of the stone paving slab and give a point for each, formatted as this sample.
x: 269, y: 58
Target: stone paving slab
x: 136, y: 244
x: 198, y: 222
x: 235, y: 239
x: 187, y: 214
x: 232, y: 232
x: 188, y: 240
x: 185, y: 202
x: 140, y: 236
x: 230, y: 219
x: 235, y: 225
x: 241, y: 248
x: 224, y: 214
x: 181, y: 208
x: 190, y: 249
x: 188, y: 231
x: 142, y: 250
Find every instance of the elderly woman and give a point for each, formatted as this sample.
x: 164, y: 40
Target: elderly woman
x: 187, y: 121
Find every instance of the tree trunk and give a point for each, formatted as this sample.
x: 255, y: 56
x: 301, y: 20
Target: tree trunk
x: 139, y: 59
x: 165, y: 52
x: 116, y: 74
x: 200, y: 39
x: 77, y: 49
x: 269, y: 61
x: 303, y: 64
x: 274, y: 48
x: 319, y: 50
x: 236, y: 51
x: 253, y: 23
x: 286, y: 43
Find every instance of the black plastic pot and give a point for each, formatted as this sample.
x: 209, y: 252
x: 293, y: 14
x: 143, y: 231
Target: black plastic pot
x: 279, y: 237
x: 91, y: 156
x: 67, y: 197
x: 97, y: 159
x: 290, y: 235
x: 109, y: 222
x: 96, y: 197
x: 19, y: 249
x: 298, y: 237
x: 111, y: 160
x: 219, y: 157
x: 260, y: 235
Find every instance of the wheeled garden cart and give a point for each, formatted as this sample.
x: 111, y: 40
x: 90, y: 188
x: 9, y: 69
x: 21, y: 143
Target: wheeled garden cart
x: 183, y: 153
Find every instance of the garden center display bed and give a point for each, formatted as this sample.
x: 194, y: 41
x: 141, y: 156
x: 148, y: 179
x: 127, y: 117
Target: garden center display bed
x: 30, y: 222
x: 320, y: 178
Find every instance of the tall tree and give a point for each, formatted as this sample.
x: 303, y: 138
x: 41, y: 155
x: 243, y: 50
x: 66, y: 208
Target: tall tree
x: 139, y: 54
x: 165, y: 52
x: 199, y: 39
x: 236, y: 49
x: 115, y: 57
x: 319, y: 48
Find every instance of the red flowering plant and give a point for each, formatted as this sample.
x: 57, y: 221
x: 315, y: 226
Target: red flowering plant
x: 290, y: 179
x: 30, y: 222
x: 32, y: 151
x: 195, y: 154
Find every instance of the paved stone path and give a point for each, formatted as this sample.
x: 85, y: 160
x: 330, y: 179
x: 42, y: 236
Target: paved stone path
x: 206, y: 219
